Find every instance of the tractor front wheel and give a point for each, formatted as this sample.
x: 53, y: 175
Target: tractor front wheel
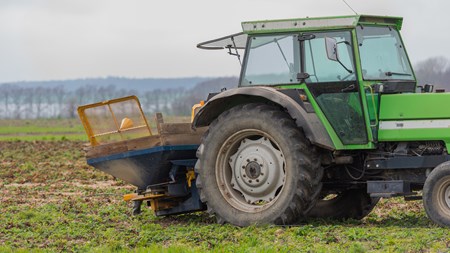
x: 436, y: 195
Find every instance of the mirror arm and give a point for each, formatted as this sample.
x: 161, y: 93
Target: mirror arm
x: 348, y: 70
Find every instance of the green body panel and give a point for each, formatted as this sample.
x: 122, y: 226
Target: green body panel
x: 415, y: 106
x: 412, y: 108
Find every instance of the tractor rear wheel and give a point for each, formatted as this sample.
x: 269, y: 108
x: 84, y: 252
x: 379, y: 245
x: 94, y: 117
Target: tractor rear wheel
x: 256, y: 166
x: 436, y: 195
x: 348, y: 204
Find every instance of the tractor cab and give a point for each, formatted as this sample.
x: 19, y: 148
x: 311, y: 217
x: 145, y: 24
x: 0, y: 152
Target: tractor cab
x: 340, y: 64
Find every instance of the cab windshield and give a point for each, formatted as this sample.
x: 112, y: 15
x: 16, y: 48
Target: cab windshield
x: 382, y: 53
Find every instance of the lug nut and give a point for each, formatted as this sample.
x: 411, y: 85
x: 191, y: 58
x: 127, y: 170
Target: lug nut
x: 257, y: 180
x: 250, y: 181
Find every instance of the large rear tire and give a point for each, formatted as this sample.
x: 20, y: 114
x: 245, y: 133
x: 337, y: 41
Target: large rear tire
x: 256, y: 167
x: 436, y: 195
x: 348, y: 204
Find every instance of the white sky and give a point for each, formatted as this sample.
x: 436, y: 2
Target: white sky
x: 66, y: 39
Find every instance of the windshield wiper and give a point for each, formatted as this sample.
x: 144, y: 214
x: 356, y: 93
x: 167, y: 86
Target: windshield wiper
x: 389, y: 73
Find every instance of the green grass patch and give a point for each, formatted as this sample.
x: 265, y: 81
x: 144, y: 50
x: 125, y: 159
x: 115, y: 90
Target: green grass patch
x: 39, y: 123
x: 40, y: 129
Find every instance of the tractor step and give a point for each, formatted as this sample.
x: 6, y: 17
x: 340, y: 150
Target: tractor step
x: 388, y: 189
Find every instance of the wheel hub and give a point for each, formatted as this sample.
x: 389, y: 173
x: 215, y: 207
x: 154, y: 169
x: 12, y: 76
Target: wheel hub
x: 257, y: 170
x: 253, y: 170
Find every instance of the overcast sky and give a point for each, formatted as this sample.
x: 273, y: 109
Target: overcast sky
x: 66, y: 39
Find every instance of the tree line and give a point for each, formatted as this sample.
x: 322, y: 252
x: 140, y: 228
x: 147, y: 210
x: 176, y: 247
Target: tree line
x: 434, y: 71
x: 19, y: 102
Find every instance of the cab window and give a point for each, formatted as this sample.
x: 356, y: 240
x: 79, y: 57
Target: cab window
x: 271, y: 60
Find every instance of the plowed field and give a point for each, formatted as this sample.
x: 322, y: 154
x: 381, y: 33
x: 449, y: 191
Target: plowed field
x: 52, y: 201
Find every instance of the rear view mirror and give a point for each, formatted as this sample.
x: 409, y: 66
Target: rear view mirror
x: 428, y: 88
x: 331, y: 47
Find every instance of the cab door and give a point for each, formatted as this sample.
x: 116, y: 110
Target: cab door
x: 333, y: 83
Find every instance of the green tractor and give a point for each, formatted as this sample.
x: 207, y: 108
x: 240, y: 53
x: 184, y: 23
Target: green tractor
x: 327, y: 119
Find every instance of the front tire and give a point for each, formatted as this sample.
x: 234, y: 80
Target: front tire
x: 436, y: 195
x: 256, y: 166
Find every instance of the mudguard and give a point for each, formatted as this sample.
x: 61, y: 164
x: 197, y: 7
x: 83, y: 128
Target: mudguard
x: 308, y: 121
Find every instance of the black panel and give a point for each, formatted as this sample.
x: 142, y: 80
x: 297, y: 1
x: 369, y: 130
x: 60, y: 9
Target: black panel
x: 394, y: 186
x: 295, y: 95
x: 398, y: 87
x: 409, y: 162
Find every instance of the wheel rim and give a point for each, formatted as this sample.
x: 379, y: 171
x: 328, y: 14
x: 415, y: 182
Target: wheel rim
x: 444, y: 195
x: 250, y: 170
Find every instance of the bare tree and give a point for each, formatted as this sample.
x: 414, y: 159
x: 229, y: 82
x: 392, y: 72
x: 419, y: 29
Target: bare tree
x: 434, y: 71
x: 16, y: 101
x: 60, y: 97
x: 29, y: 102
x: 71, y: 107
x: 39, y: 96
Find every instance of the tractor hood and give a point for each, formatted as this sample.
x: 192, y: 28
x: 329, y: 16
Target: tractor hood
x: 415, y: 117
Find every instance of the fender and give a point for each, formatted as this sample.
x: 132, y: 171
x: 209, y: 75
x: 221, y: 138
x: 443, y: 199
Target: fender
x: 309, y: 122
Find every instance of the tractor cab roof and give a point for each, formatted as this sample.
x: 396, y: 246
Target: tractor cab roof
x: 238, y: 40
